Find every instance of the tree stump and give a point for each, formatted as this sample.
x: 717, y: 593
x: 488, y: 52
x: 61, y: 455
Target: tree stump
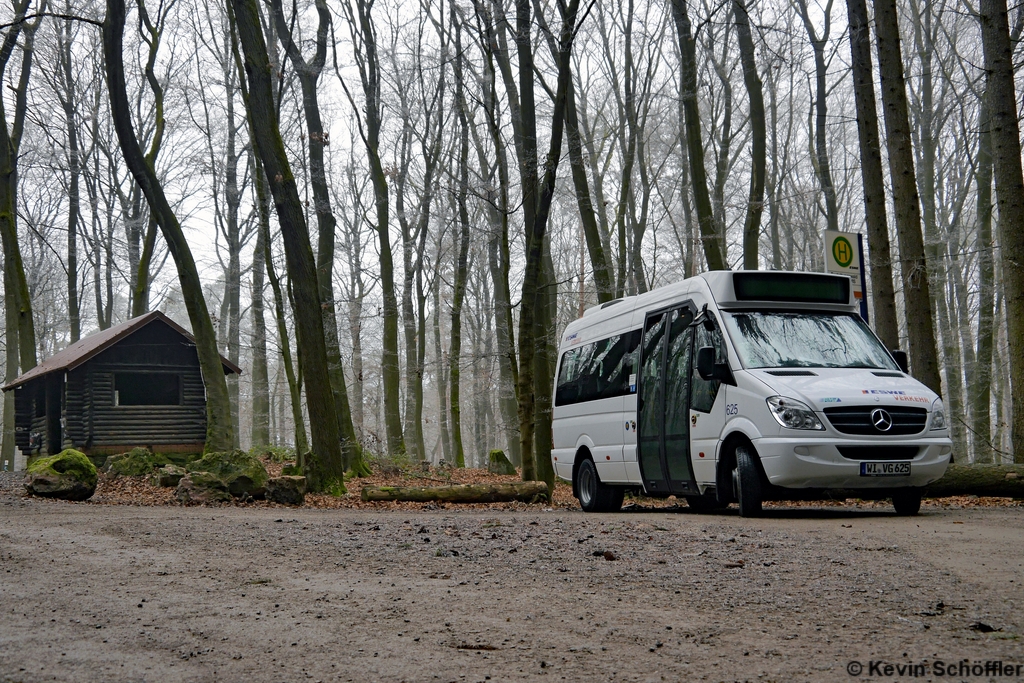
x: 498, y: 463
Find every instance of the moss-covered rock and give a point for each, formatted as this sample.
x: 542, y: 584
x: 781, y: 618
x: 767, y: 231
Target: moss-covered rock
x: 498, y: 463
x: 242, y: 474
x: 168, y: 476
x: 138, y: 462
x: 201, y: 487
x: 287, y: 490
x: 69, y: 475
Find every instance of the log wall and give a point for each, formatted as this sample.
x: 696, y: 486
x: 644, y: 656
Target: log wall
x: 158, y: 349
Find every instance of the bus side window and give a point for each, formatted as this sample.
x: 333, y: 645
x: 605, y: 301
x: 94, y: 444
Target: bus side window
x: 704, y: 392
x: 568, y: 387
x: 620, y: 364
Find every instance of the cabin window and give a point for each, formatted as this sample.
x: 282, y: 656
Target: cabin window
x: 147, y: 389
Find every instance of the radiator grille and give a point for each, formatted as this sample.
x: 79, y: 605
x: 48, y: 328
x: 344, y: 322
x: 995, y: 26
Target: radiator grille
x: 858, y: 420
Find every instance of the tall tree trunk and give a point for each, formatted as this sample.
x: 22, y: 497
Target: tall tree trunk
x: 354, y: 309
x: 365, y: 37
x: 497, y: 209
x: 714, y: 251
x: 233, y: 279
x: 879, y: 252
x: 534, y: 379
x: 294, y: 390
x: 309, y: 75
x: 68, y: 101
x: 755, y: 91
x: 15, y: 283
x: 598, y: 257
x: 141, y: 277
x: 461, y: 265
x: 914, y: 268
x: 260, y: 432
x: 219, y: 432
x: 935, y: 243
x: 7, y: 451
x: 1006, y: 162
x: 442, y: 378
x: 822, y: 165
x: 981, y: 384
x: 326, y: 466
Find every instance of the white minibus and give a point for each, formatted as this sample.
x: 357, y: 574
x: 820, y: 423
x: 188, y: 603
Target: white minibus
x: 741, y: 386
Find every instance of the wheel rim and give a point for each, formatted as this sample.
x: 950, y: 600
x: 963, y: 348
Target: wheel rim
x: 587, y: 485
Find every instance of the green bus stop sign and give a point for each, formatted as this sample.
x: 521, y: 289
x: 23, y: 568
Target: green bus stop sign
x: 842, y: 252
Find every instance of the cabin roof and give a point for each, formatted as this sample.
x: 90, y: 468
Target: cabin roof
x: 89, y: 347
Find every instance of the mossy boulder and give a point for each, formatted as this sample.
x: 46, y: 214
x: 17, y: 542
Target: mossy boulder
x: 168, y: 476
x: 242, y: 474
x: 69, y: 475
x: 138, y: 462
x: 498, y: 463
x: 201, y: 487
x: 288, y: 490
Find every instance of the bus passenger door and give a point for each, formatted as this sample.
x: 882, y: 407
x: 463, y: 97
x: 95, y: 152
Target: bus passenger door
x: 663, y: 438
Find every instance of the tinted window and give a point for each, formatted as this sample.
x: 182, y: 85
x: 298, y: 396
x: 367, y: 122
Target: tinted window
x: 706, y: 391
x: 597, y: 370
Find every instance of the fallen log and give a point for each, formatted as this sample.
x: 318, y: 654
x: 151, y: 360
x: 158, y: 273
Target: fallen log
x: 526, y: 491
x: 1005, y: 481
x: 998, y: 481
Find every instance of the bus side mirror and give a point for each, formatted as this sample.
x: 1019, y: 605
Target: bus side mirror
x: 901, y: 360
x: 708, y: 369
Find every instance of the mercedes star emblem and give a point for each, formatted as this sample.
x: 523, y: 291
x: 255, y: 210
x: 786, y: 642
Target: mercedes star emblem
x: 881, y: 419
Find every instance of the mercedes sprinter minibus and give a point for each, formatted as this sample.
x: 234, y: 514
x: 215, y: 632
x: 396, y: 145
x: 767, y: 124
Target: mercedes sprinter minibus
x: 741, y: 386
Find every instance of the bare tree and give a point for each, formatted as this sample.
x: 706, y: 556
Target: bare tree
x: 1006, y: 150
x: 913, y: 266
x: 823, y: 168
x: 711, y: 240
x: 325, y: 466
x: 880, y: 257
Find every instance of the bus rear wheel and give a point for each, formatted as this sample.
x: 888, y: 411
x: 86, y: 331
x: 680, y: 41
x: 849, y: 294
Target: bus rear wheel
x: 746, y: 483
x: 592, y: 494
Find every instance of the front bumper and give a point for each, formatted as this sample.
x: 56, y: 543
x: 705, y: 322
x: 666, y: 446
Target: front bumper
x: 816, y: 463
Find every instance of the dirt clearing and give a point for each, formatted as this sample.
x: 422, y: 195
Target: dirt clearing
x: 128, y: 593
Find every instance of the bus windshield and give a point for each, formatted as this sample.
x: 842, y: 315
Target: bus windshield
x: 786, y: 339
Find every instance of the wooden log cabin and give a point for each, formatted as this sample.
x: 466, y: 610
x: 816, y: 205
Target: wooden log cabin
x: 135, y: 384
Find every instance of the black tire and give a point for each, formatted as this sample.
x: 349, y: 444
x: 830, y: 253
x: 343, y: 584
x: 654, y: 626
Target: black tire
x: 907, y: 502
x: 705, y: 503
x: 746, y: 482
x: 592, y: 494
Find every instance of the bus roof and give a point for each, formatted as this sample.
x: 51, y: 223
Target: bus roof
x: 732, y: 289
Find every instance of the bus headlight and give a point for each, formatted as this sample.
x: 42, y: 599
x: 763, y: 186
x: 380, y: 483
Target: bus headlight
x: 793, y: 414
x: 938, y: 415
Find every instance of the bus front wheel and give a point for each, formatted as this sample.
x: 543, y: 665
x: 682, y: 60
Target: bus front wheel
x: 746, y: 483
x: 907, y: 502
x: 592, y: 494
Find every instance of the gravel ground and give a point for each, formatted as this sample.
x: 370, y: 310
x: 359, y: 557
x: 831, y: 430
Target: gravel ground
x: 128, y: 593
x: 11, y: 483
